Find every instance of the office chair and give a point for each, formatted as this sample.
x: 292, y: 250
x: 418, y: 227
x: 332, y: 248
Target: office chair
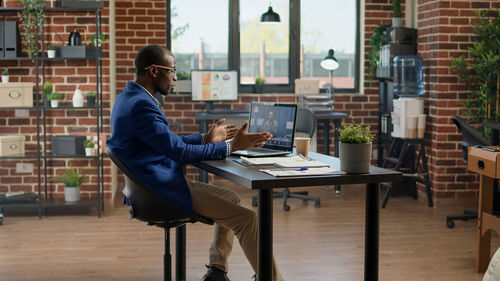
x: 469, y: 137
x: 305, y: 125
x: 148, y: 207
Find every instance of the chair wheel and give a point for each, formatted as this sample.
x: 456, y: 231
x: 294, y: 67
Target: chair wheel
x: 255, y: 202
x: 286, y: 208
x: 317, y: 204
x: 450, y: 224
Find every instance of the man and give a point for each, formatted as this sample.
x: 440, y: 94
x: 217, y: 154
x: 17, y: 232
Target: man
x: 142, y: 139
x: 271, y: 124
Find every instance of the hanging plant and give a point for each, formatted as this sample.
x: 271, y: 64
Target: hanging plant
x: 32, y: 17
x: 481, y: 71
x: 377, y: 39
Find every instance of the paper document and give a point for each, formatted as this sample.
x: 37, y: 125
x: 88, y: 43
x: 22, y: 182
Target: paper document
x: 301, y: 172
x: 285, y: 162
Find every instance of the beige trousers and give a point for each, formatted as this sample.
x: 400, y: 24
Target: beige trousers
x: 223, y: 206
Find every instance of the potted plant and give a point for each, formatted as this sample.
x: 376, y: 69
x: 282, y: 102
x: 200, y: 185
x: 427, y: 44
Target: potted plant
x: 5, y: 76
x: 54, y: 99
x: 183, y: 83
x: 32, y: 17
x: 89, y: 147
x: 72, y: 180
x: 397, y: 20
x: 91, y: 97
x: 46, y: 91
x: 51, y: 52
x: 96, y: 40
x: 378, y: 38
x: 259, y: 84
x: 355, y: 148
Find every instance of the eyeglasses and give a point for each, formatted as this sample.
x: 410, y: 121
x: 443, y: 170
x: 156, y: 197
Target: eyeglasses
x: 171, y: 69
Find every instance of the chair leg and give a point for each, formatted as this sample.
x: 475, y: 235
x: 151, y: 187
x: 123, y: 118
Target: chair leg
x: 167, y: 257
x: 387, y: 195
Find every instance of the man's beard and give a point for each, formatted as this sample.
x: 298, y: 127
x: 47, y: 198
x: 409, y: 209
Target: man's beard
x: 162, y: 92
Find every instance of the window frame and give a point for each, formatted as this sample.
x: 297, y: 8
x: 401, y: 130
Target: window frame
x: 293, y: 51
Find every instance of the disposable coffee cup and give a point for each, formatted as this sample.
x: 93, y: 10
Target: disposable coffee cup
x: 411, y: 126
x: 421, y: 126
x: 302, y: 145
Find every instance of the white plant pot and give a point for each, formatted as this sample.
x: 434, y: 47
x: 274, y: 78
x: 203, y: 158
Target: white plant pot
x: 71, y: 194
x: 397, y: 22
x: 354, y: 157
x: 51, y: 54
x: 5, y: 78
x: 54, y: 103
x: 89, y: 151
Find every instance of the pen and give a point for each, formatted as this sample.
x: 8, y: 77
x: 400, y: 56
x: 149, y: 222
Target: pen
x: 302, y: 169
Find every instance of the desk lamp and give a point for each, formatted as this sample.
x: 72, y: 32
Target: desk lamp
x: 270, y: 16
x: 330, y: 63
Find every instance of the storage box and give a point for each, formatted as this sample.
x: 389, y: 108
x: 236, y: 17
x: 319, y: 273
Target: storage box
x: 81, y: 4
x: 16, y: 94
x: 484, y: 160
x: 78, y: 52
x: 68, y: 145
x: 12, y: 145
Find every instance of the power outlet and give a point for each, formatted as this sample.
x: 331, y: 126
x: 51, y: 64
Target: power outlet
x: 24, y: 168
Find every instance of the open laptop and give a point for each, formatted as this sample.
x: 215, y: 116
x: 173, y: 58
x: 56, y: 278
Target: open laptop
x: 279, y: 120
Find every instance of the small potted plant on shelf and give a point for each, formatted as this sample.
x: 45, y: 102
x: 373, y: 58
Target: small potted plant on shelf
x: 355, y: 148
x: 5, y: 76
x: 72, y: 180
x: 259, y: 84
x: 51, y: 52
x: 46, y: 91
x: 96, y: 40
x: 54, y: 99
x: 90, y: 96
x: 397, y: 20
x: 89, y: 147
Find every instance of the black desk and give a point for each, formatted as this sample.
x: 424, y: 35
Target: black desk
x: 252, y: 178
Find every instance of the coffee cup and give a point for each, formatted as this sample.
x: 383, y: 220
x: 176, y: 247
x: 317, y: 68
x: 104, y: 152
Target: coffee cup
x: 302, y: 145
x: 421, y: 126
x: 411, y: 126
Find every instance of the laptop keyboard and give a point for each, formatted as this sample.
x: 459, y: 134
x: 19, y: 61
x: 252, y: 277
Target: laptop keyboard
x: 261, y: 149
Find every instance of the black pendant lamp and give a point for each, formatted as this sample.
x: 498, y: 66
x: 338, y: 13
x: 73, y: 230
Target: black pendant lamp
x: 270, y: 16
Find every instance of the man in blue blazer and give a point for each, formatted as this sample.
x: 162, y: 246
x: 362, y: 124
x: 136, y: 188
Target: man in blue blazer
x: 141, y: 138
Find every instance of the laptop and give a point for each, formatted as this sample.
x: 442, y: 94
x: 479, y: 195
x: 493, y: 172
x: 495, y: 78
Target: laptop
x: 276, y: 118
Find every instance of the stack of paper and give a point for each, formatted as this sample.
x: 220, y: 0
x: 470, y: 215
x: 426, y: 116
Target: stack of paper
x: 285, y: 162
x: 301, y: 172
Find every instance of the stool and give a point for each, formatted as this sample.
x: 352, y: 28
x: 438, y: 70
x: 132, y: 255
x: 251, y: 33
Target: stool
x: 420, y: 174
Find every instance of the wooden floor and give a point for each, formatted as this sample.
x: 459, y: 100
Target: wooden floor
x: 309, y: 244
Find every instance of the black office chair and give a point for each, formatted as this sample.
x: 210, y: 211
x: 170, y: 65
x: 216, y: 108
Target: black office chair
x: 469, y: 137
x: 148, y: 207
x: 305, y: 124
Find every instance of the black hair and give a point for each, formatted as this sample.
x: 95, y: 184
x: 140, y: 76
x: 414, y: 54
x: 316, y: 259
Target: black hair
x: 148, y: 55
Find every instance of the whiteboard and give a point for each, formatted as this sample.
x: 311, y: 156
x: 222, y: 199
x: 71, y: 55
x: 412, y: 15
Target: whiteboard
x: 214, y: 85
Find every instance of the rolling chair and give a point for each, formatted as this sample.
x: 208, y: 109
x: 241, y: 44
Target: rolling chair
x: 305, y: 125
x: 470, y: 137
x: 148, y: 207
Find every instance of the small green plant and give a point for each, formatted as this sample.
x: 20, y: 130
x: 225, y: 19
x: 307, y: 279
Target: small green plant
x: 54, y: 96
x: 352, y: 133
x: 47, y: 89
x: 88, y: 144
x: 396, y: 7
x: 259, y: 80
x: 5, y: 73
x: 377, y: 39
x: 71, y: 177
x: 183, y: 75
x: 32, y: 17
x: 50, y: 47
x: 96, y: 43
x: 90, y: 94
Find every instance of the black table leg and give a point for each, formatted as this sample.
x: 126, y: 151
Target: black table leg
x: 371, y: 232
x: 180, y: 253
x: 265, y: 235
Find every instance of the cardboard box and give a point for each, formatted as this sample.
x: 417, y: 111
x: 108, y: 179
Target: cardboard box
x: 484, y: 160
x: 12, y: 145
x: 16, y: 94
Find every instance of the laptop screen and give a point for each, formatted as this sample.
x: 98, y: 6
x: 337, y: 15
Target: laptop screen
x: 278, y: 119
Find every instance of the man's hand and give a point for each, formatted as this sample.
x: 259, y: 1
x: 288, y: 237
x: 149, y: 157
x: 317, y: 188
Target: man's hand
x: 244, y: 140
x: 219, y: 132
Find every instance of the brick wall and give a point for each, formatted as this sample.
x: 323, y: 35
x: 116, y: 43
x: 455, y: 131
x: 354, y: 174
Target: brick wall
x: 143, y: 22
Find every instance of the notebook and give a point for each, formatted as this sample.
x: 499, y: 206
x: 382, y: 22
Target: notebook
x: 276, y: 118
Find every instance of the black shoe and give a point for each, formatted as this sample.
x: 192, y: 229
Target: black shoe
x: 215, y: 274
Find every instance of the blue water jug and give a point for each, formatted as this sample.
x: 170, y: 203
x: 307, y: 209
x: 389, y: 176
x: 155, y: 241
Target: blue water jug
x: 408, y: 76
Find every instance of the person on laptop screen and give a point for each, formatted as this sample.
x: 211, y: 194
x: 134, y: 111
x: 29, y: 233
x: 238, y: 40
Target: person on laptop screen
x: 141, y: 138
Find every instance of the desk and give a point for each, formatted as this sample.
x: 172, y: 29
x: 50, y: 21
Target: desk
x: 252, y: 178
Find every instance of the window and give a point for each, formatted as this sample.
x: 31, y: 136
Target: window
x: 227, y: 34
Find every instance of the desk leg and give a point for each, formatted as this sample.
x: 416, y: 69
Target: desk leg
x: 336, y: 135
x: 484, y: 237
x: 180, y: 253
x: 371, y: 232
x: 265, y: 235
x: 202, y: 174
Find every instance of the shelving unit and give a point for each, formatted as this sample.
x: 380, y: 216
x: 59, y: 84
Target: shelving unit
x: 42, y: 155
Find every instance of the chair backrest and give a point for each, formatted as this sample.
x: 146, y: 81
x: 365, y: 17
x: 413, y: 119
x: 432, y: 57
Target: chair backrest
x: 469, y: 135
x: 305, y: 121
x: 146, y: 205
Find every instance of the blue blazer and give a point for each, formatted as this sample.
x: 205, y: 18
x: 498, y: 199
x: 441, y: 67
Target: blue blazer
x: 141, y: 138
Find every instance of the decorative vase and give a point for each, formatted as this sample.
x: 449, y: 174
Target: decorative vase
x: 355, y: 157
x: 89, y: 151
x: 78, y: 98
x: 54, y: 103
x: 91, y: 101
x: 71, y: 194
x: 51, y: 54
x: 5, y: 78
